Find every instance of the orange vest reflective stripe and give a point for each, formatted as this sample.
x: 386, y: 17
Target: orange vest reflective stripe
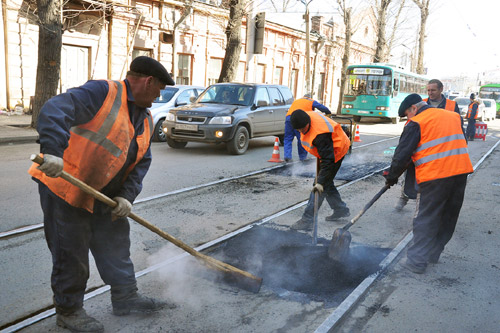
x: 442, y: 150
x: 450, y: 105
x: 470, y: 111
x: 97, y: 150
x: 319, y: 125
x: 303, y: 103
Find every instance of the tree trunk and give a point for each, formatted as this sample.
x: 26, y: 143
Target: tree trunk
x: 394, y: 28
x: 380, y: 50
x: 233, y: 49
x: 345, y: 58
x: 49, y: 54
x: 423, y: 5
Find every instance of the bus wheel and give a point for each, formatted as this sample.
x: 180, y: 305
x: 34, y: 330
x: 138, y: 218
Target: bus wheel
x: 356, y: 118
x: 395, y: 120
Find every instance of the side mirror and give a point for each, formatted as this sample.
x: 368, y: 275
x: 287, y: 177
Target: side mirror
x: 262, y: 103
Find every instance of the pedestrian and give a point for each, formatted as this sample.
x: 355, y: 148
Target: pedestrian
x: 305, y: 103
x: 325, y: 139
x: 100, y: 133
x: 437, y: 100
x: 433, y: 140
x: 471, y: 117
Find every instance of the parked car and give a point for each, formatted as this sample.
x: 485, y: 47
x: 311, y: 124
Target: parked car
x: 170, y: 97
x: 463, y: 103
x: 490, y: 108
x: 230, y: 113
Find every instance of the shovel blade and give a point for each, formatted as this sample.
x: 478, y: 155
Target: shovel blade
x: 338, y: 250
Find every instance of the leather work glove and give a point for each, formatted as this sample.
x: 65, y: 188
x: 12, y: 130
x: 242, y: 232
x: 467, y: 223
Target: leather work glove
x: 52, y: 165
x: 123, y: 208
x: 389, y: 181
x: 318, y: 188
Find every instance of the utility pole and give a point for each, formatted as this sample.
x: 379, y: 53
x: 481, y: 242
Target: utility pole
x: 250, y: 72
x: 308, y: 50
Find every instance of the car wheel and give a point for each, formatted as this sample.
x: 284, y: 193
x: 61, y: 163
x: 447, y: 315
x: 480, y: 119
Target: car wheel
x: 159, y: 135
x: 356, y: 118
x: 238, y: 145
x: 175, y: 144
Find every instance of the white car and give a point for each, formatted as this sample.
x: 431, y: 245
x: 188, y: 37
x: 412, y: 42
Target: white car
x: 490, y: 109
x: 171, y: 97
x: 463, y: 104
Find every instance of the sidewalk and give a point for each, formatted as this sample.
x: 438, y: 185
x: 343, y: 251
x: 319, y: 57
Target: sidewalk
x: 15, y: 128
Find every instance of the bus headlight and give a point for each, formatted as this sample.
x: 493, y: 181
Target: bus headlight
x: 382, y: 108
x: 347, y: 106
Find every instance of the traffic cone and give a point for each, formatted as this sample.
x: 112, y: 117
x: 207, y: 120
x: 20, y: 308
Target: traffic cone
x: 356, y: 136
x: 276, y: 152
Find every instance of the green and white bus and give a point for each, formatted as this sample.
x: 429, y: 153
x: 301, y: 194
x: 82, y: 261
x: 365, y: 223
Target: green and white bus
x: 491, y: 91
x: 377, y: 90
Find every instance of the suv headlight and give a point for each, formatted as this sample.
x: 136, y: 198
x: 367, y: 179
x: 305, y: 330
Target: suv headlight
x: 170, y: 117
x: 226, y: 120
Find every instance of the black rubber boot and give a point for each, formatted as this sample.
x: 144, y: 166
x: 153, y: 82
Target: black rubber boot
x: 79, y: 321
x: 126, y: 299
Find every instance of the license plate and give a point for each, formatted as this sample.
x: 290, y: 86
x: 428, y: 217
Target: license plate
x: 186, y: 127
x: 363, y: 111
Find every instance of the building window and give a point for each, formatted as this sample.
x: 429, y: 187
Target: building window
x: 294, y: 74
x: 260, y: 75
x: 214, y: 68
x: 278, y: 75
x: 184, y: 69
x: 141, y: 52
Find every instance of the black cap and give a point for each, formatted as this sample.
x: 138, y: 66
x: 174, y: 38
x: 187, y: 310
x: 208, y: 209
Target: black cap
x: 410, y: 100
x: 299, y: 119
x: 472, y: 96
x: 151, y: 67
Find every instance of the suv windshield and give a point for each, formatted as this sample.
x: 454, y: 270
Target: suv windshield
x: 228, y: 94
x: 166, y: 95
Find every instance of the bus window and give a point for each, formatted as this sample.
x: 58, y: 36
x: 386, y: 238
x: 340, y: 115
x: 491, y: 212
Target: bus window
x: 368, y: 85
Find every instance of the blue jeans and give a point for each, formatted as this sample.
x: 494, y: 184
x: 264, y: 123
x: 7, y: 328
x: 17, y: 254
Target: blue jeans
x: 70, y: 233
x: 291, y: 133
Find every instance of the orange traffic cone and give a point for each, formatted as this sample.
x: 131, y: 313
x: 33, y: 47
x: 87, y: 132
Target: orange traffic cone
x: 276, y: 152
x: 356, y: 136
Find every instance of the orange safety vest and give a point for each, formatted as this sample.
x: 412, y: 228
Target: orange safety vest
x: 442, y: 150
x: 319, y: 125
x: 97, y: 150
x: 470, y: 111
x: 450, y: 105
x: 303, y: 103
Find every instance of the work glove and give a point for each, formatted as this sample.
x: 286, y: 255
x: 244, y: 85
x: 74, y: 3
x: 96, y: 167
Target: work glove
x: 123, y: 208
x: 389, y: 180
x: 318, y: 188
x: 52, y: 165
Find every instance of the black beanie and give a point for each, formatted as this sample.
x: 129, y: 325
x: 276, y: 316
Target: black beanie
x: 299, y: 119
x: 410, y: 100
x: 151, y: 67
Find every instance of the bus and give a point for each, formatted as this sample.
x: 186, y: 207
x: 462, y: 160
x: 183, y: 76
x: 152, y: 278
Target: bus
x: 377, y: 90
x: 491, y: 91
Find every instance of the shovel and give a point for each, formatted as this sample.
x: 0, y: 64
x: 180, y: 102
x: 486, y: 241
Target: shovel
x: 232, y: 275
x: 341, y: 239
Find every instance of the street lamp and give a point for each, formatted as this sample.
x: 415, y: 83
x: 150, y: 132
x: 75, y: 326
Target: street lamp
x: 411, y: 56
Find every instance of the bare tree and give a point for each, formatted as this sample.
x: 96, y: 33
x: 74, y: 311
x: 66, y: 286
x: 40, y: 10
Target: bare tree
x: 381, y: 8
x: 423, y: 5
x: 233, y: 47
x: 346, y: 13
x: 280, y: 5
x: 392, y: 38
x: 185, y: 13
x: 49, y: 54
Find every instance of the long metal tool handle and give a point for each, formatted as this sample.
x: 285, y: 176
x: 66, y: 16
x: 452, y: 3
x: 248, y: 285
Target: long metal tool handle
x: 368, y: 205
x: 110, y: 202
x: 316, y: 204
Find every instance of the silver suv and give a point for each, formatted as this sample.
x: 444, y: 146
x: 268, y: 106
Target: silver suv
x: 231, y: 113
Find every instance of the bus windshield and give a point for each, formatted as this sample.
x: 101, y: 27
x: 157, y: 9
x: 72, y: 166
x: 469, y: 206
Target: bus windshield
x: 361, y: 84
x: 490, y: 92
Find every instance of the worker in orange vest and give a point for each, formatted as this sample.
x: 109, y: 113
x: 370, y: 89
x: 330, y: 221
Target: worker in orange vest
x: 100, y: 133
x: 325, y: 139
x: 436, y: 99
x: 433, y: 140
x: 305, y: 103
x: 471, y: 117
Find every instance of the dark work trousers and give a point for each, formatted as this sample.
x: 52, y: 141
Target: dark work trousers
x: 290, y: 134
x: 439, y: 205
x: 331, y: 194
x: 470, y: 132
x: 70, y: 233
